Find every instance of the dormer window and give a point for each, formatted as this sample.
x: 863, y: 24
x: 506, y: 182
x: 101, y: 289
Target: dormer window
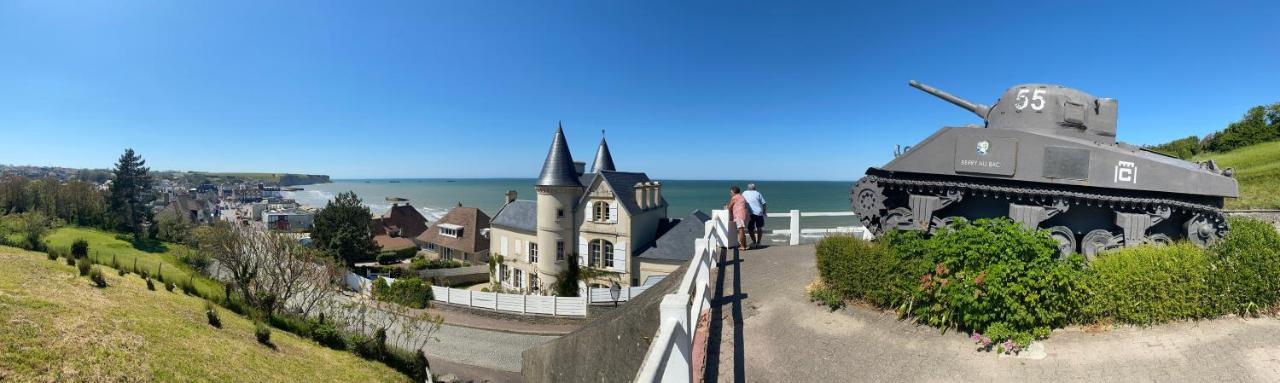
x: 451, y: 230
x: 601, y: 210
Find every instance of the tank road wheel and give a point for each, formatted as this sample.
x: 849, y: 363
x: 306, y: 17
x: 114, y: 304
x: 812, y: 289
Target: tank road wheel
x: 1095, y: 242
x: 1159, y: 239
x: 1066, y: 240
x: 867, y: 199
x: 1202, y: 231
x: 900, y: 219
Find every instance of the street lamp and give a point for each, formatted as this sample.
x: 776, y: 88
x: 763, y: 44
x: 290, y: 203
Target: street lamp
x: 615, y: 291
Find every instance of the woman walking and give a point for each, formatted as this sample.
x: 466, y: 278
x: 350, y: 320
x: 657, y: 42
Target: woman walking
x: 738, y: 213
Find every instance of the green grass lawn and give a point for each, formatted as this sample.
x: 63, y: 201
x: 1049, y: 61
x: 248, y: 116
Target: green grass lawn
x: 1257, y: 169
x: 103, y: 246
x: 56, y: 326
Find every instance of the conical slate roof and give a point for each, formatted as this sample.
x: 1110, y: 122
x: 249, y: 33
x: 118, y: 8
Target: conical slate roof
x: 604, y: 160
x: 558, y: 170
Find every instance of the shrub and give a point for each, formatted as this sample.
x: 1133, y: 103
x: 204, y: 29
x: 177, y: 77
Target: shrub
x: 83, y: 264
x: 1146, y: 285
x: 262, y: 333
x: 96, y: 276
x: 1246, y: 268
x: 874, y: 272
x: 211, y: 312
x: 151, y: 285
x: 995, y: 273
x: 168, y: 286
x: 80, y: 248
x: 410, y: 292
x: 328, y: 336
x: 53, y: 255
x: 71, y: 261
x: 820, y: 292
x: 387, y: 258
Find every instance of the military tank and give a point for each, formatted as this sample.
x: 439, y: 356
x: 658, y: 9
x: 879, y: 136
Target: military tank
x: 1046, y: 157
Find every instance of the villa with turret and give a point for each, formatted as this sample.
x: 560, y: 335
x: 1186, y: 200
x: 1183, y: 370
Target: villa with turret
x: 603, y: 219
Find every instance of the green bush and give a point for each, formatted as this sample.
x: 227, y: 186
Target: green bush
x: 211, y: 312
x: 262, y: 333
x: 95, y: 275
x: 827, y: 296
x: 71, y: 261
x: 53, y: 254
x: 83, y: 264
x: 1146, y: 285
x: 387, y: 258
x: 421, y: 263
x: 151, y: 285
x: 168, y: 286
x: 1246, y: 268
x: 80, y: 248
x: 994, y: 274
x: 410, y: 292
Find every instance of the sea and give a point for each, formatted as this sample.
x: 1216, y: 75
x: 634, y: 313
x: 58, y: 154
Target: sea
x: 434, y: 197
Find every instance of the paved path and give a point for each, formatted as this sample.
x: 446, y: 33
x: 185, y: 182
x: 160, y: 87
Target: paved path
x: 770, y: 332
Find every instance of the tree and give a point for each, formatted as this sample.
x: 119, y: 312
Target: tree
x: 130, y: 196
x: 341, y: 229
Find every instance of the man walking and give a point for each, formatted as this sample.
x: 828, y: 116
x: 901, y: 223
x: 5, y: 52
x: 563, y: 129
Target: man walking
x: 759, y: 208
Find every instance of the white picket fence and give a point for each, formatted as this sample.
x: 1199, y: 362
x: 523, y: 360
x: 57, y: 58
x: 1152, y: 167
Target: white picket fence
x: 670, y: 356
x: 513, y: 303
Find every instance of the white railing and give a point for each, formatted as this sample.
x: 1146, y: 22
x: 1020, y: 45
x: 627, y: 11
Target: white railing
x: 670, y: 356
x: 512, y: 303
x: 795, y: 232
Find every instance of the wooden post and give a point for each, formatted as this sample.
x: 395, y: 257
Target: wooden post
x: 795, y: 227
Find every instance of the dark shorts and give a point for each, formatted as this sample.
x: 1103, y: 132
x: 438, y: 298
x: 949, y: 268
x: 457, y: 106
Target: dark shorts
x: 756, y: 222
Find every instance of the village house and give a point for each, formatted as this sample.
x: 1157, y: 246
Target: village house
x: 458, y: 236
x: 288, y: 219
x: 396, y: 230
x: 601, y: 219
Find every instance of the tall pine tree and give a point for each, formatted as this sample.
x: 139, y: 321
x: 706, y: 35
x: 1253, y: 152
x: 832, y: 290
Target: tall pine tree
x: 341, y: 229
x: 131, y: 194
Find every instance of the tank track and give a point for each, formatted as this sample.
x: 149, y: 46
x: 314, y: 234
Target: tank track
x: 870, y: 213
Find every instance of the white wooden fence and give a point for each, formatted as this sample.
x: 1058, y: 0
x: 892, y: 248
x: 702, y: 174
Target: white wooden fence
x: 513, y: 303
x: 795, y: 232
x: 670, y: 356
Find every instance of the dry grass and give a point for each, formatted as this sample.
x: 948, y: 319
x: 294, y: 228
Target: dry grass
x: 55, y: 326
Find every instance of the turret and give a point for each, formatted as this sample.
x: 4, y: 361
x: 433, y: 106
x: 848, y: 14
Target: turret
x: 1045, y: 109
x: 558, y: 189
x: 604, y: 160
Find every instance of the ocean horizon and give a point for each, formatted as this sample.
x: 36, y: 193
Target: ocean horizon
x: 433, y: 197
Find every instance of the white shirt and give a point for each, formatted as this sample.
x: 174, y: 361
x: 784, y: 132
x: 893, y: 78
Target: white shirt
x: 755, y: 201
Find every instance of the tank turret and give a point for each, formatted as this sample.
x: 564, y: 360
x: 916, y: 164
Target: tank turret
x: 1043, y: 108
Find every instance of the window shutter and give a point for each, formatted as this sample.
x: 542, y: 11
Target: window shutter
x: 582, y: 251
x: 586, y: 213
x: 613, y: 212
x: 620, y: 257
x: 504, y: 247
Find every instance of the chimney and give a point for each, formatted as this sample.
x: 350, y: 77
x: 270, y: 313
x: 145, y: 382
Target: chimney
x: 641, y: 195
x: 511, y: 196
x: 657, y: 194
x: 580, y: 167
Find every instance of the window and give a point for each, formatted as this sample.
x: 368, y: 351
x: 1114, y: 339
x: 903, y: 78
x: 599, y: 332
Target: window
x: 448, y: 254
x: 559, y: 250
x: 431, y: 246
x: 533, y: 281
x: 504, y: 275
x: 533, y: 252
x: 601, y: 253
x: 515, y: 280
x: 559, y: 213
x: 601, y: 210
x: 451, y: 230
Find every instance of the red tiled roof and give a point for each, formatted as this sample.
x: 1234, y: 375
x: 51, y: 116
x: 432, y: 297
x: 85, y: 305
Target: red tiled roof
x: 471, y: 219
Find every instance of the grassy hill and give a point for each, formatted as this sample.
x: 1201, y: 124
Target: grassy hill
x: 56, y: 326
x: 1257, y: 168
x: 104, y: 246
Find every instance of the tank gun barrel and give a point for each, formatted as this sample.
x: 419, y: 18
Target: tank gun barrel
x: 978, y: 109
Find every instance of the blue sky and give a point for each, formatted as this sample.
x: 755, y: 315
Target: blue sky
x: 686, y: 90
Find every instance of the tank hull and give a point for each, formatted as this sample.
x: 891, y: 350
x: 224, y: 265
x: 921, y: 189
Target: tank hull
x: 1092, y: 196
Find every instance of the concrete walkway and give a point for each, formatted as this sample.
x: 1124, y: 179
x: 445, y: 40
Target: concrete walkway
x: 766, y: 330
